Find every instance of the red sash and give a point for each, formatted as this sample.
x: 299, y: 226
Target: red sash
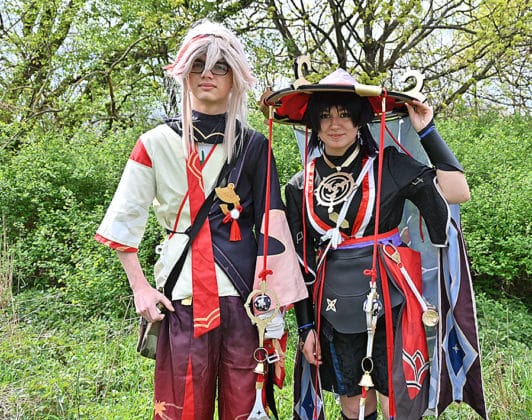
x: 411, y: 371
x: 206, y: 305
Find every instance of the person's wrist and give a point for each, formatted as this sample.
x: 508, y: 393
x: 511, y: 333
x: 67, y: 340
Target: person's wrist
x: 429, y: 128
x: 304, y: 330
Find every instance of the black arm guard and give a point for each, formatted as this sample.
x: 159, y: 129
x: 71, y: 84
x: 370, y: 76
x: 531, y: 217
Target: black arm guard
x: 437, y: 150
x: 304, y: 312
x: 305, y: 318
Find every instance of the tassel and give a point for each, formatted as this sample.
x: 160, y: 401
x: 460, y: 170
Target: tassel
x: 233, y: 216
x: 235, y: 231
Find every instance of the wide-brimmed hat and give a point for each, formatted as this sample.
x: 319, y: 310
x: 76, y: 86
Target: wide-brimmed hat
x: 291, y: 103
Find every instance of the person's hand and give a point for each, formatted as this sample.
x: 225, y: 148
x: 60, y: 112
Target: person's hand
x: 149, y: 303
x: 311, y: 348
x: 262, y: 106
x: 420, y: 114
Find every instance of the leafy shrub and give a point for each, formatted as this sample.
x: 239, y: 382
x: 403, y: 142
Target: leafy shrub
x: 284, y: 147
x: 497, y: 220
x: 98, y: 284
x: 53, y: 193
x: 55, y: 189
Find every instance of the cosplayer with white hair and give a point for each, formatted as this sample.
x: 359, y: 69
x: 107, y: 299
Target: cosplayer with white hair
x: 217, y: 43
x: 206, y: 344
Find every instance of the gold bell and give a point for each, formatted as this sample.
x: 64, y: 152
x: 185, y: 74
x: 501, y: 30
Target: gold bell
x: 366, y: 380
x: 259, y: 368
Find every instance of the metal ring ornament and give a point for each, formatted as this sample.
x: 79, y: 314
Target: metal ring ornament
x: 370, y: 361
x: 256, y: 356
x: 273, y: 298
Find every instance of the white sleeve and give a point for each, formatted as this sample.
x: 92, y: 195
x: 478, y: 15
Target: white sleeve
x: 126, y: 217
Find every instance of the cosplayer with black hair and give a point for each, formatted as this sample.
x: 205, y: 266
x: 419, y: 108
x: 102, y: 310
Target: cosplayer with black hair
x: 331, y: 207
x: 359, y: 111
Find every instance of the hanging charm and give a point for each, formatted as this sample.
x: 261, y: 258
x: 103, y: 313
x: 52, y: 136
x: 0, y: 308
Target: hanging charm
x: 229, y: 197
x: 366, y: 382
x: 430, y: 316
x: 266, y: 307
x: 262, y: 306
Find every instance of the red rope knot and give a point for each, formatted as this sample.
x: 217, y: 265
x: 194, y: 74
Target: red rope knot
x: 264, y: 273
x: 232, y: 216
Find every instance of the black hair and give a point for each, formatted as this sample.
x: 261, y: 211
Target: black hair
x: 358, y: 107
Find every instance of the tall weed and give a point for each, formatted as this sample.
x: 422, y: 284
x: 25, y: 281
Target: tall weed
x: 6, y: 269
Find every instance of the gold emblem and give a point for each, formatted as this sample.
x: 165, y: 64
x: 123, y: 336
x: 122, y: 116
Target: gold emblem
x: 335, y: 189
x: 228, y: 196
x: 334, y: 218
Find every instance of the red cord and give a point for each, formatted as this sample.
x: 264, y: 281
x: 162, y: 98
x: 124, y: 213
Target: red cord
x: 373, y: 271
x: 389, y: 337
x: 267, y: 200
x: 318, y: 286
x: 379, y: 185
x: 403, y: 148
x: 304, y: 203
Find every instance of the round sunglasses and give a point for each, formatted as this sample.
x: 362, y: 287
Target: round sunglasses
x: 220, y: 68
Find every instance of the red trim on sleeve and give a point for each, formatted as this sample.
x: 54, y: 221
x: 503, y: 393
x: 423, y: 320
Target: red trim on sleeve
x: 114, y: 245
x: 140, y: 155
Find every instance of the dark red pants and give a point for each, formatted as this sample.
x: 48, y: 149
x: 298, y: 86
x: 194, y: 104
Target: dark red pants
x: 190, y: 372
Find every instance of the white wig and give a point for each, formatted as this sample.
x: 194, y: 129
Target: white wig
x: 217, y: 43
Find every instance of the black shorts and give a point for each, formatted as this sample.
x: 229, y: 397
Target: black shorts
x: 342, y: 356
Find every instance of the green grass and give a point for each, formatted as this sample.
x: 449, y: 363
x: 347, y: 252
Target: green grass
x: 56, y: 367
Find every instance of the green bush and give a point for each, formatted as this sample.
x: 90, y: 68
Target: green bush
x: 284, y: 147
x: 497, y: 221
x: 54, y: 192
x: 98, y: 284
x: 55, y: 189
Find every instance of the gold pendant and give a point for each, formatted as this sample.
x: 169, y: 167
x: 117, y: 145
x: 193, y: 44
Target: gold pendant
x: 334, y: 189
x: 430, y: 317
x: 262, y: 306
x: 228, y: 196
